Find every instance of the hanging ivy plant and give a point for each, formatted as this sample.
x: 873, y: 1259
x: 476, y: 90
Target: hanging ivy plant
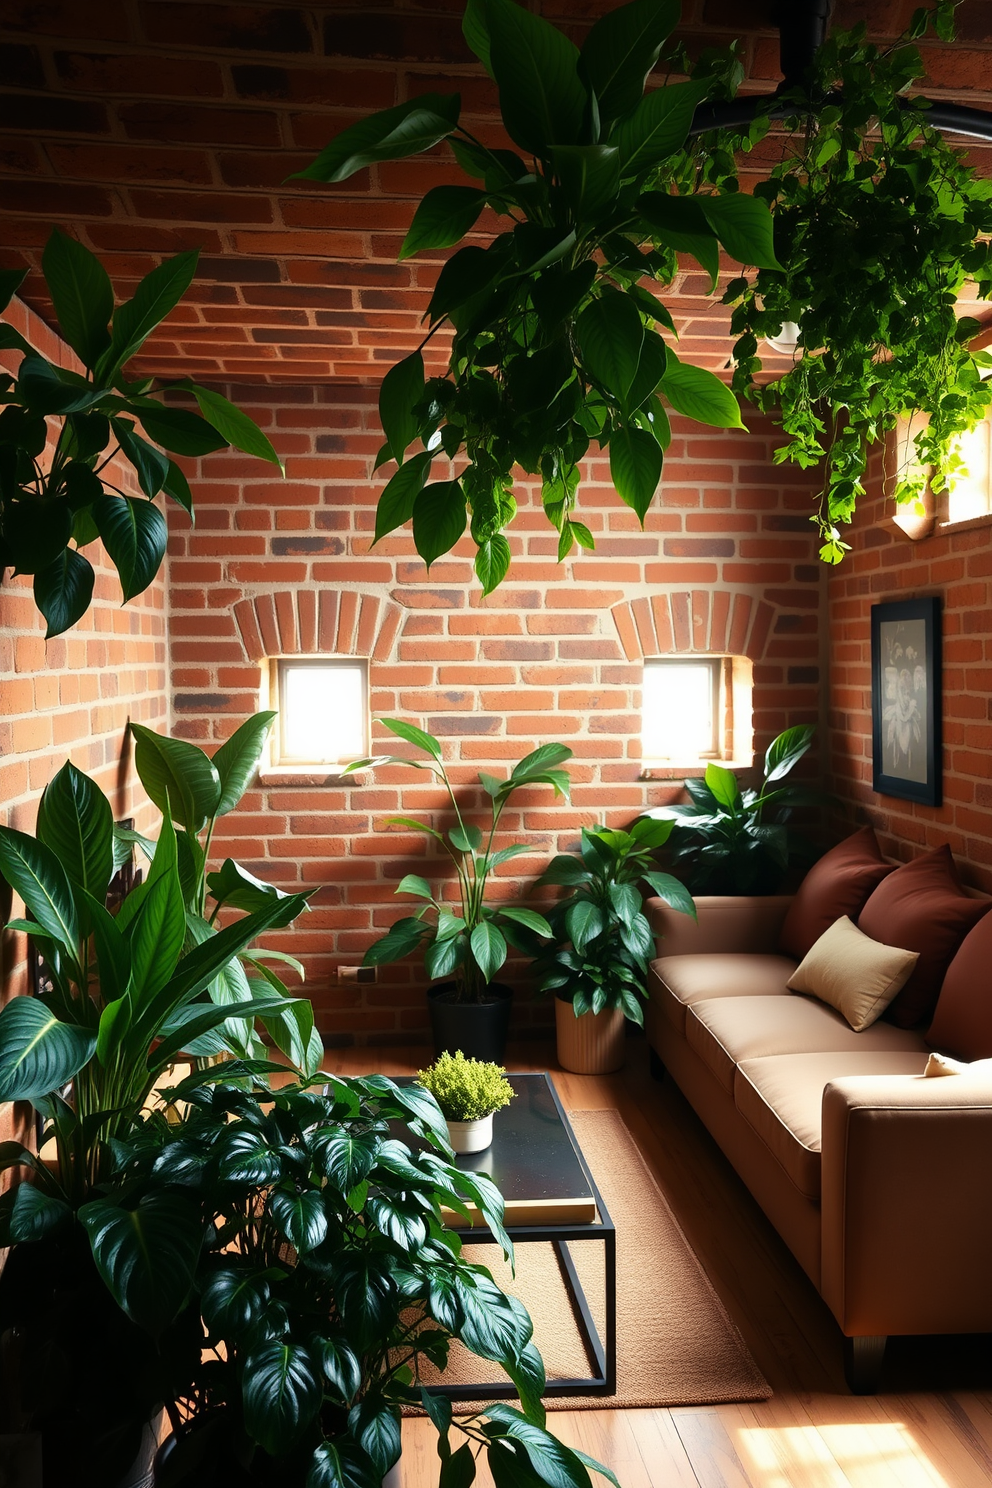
x: 559, y: 341
x: 880, y: 225
x: 51, y: 509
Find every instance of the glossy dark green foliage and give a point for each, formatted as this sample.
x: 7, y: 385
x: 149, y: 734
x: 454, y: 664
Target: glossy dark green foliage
x: 881, y: 226
x: 324, y: 1286
x: 602, y: 941
x: 468, y: 948
x: 551, y: 349
x: 48, y: 514
x: 733, y: 841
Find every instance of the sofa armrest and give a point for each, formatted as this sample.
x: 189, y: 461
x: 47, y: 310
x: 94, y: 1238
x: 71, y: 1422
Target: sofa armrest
x: 741, y: 923
x: 907, y: 1204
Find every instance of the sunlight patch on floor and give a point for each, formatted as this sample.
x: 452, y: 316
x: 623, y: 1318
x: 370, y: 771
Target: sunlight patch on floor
x: 876, y: 1454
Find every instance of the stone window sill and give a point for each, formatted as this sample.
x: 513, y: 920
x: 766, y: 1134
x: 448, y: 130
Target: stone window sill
x: 970, y: 524
x: 676, y: 770
x: 310, y: 775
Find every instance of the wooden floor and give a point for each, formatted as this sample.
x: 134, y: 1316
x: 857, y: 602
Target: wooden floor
x: 930, y: 1428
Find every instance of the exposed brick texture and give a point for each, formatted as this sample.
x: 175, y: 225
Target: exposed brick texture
x: 884, y: 565
x: 72, y: 697
x: 156, y: 125
x: 555, y: 653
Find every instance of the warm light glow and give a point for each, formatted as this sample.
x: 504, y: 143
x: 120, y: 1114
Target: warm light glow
x: 968, y: 492
x: 828, y: 1456
x: 321, y: 713
x: 678, y: 716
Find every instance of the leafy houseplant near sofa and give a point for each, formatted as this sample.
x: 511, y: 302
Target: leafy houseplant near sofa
x: 733, y: 841
x: 469, y: 1093
x: 315, y: 1251
x: 598, y: 965
x: 556, y: 334
x: 471, y: 1013
x: 47, y: 515
x: 128, y: 994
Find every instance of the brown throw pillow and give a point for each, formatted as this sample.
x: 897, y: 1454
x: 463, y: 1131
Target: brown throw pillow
x: 837, y: 885
x: 962, y: 1023
x: 853, y: 973
x: 921, y: 907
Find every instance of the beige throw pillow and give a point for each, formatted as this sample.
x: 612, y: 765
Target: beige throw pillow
x: 853, y: 973
x: 943, y: 1064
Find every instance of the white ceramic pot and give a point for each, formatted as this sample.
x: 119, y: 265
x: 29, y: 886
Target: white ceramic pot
x: 471, y: 1136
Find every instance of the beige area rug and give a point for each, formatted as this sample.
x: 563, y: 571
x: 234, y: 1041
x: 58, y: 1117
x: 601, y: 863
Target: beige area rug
x: 675, y: 1343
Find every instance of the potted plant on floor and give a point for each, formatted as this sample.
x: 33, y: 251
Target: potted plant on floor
x: 598, y: 964
x: 314, y: 1246
x: 733, y: 841
x: 469, y: 1012
x: 469, y: 1093
x: 127, y: 994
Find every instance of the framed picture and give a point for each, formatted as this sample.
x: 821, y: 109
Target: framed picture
x: 905, y: 700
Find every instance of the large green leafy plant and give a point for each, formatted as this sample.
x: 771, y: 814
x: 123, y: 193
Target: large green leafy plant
x: 602, y: 940
x: 556, y: 331
x: 50, y: 509
x: 881, y: 226
x: 733, y: 841
x: 470, y: 946
x: 326, y: 1278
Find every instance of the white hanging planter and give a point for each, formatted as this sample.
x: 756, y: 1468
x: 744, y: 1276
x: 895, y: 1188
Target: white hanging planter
x: 471, y: 1136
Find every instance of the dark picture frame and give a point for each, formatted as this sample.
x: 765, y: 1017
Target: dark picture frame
x: 906, y: 701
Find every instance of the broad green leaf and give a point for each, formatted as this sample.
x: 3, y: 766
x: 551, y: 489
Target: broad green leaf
x: 636, y: 459
x: 147, y: 1255
x: 178, y: 430
x: 189, y: 1023
x: 622, y: 48
x: 345, y: 1159
x: 442, y: 218
x: 558, y: 293
x: 626, y: 900
x: 342, y: 1464
x: 506, y: 853
x: 402, y: 389
x: 658, y: 126
x: 413, y: 735
x: 281, y: 1395
x: 341, y: 1366
x: 135, y: 536
x: 589, y: 176
x: 157, y: 294
x: 492, y: 562
x: 649, y: 833
x: 235, y: 886
x: 541, y: 97
x: 237, y: 759
x: 466, y: 274
x: 33, y: 870
x: 700, y: 395
x: 76, y: 822
x: 158, y: 930
x: 787, y: 750
x: 680, y: 223
x: 744, y: 226
x: 673, y: 891
x: 412, y: 883
x: 475, y: 29
x: 391, y: 134
x: 564, y: 870
x: 530, y: 918
x: 488, y: 948
x: 82, y: 295
x: 115, y: 1020
x: 177, y: 486
x: 554, y: 1463
x: 236, y: 427
x: 650, y: 370
x: 439, y: 519
x: 466, y: 839
x: 232, y: 1300
x: 441, y: 958
x: 395, y: 507
x: 584, y: 921
x: 610, y: 333
x: 11, y: 340
x: 376, y: 1427
x: 723, y: 784
x: 399, y: 940
x: 10, y: 282
x: 178, y: 777
x: 35, y: 1214
x: 151, y: 466
x: 38, y: 1054
x: 112, y: 954
x: 300, y: 1216
x: 44, y: 388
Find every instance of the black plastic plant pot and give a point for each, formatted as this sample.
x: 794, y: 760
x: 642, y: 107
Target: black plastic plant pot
x: 478, y: 1029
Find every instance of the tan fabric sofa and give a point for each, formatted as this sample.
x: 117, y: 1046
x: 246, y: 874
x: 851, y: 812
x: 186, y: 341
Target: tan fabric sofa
x: 879, y: 1181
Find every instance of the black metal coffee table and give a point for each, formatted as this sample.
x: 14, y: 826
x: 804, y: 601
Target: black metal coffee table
x: 537, y: 1164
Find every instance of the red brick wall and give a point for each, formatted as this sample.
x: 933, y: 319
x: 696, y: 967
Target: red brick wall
x: 72, y: 696
x: 884, y: 565
x: 729, y: 550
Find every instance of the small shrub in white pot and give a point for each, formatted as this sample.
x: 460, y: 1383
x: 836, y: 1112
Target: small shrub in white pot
x: 469, y: 1092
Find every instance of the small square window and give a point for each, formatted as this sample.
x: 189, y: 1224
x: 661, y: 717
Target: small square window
x: 323, y: 712
x: 969, y: 491
x: 681, y: 711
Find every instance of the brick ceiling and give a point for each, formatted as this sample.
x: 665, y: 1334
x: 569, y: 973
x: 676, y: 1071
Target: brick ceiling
x: 150, y: 126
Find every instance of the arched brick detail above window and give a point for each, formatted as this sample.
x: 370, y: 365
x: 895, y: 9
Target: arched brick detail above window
x: 315, y: 622
x: 717, y: 621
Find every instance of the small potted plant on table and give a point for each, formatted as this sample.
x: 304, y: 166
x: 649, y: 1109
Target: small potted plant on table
x: 469, y: 1092
x: 463, y: 951
x: 598, y: 964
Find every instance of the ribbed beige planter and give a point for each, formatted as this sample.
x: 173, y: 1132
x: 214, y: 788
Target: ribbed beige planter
x: 592, y: 1044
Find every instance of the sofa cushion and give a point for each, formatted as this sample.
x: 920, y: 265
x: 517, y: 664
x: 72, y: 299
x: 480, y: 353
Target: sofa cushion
x: 839, y: 884
x: 922, y: 907
x: 962, y: 1022
x: 849, y: 971
x: 726, y: 1030
x: 781, y: 1097
x: 683, y: 980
